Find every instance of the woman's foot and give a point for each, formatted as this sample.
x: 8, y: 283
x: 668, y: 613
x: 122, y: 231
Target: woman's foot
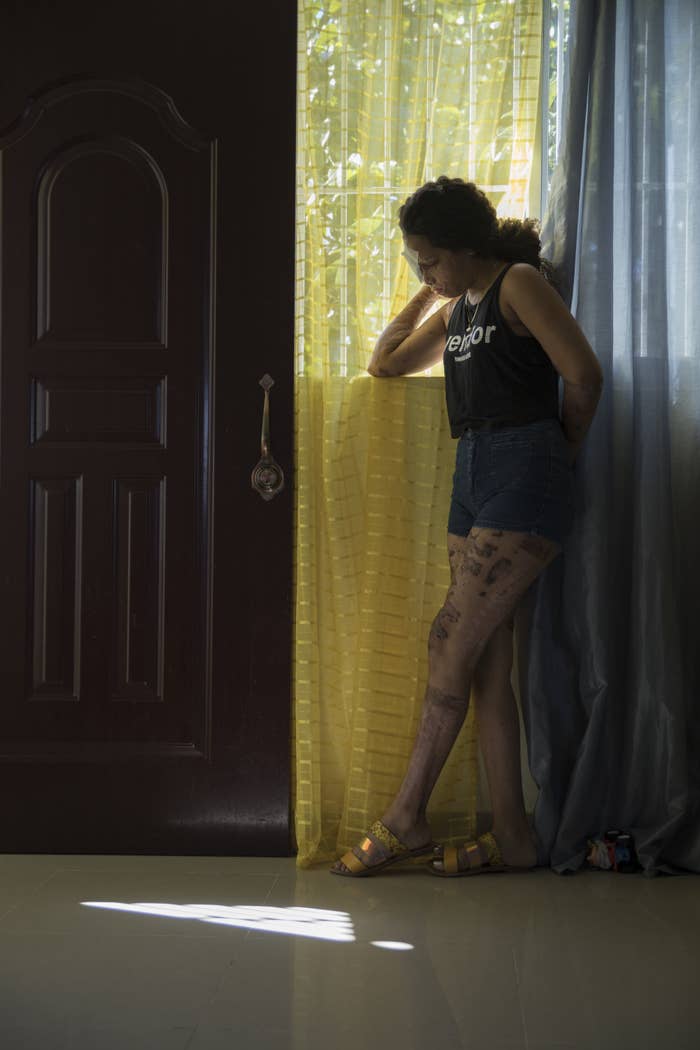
x: 518, y: 850
x: 413, y: 835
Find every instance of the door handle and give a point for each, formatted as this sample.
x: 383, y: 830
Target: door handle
x: 267, y: 477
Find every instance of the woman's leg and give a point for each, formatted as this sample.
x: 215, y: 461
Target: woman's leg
x: 496, y: 711
x: 491, y: 570
x: 498, y: 725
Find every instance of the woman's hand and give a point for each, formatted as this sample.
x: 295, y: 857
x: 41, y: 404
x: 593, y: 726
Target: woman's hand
x: 426, y: 297
x: 410, y: 344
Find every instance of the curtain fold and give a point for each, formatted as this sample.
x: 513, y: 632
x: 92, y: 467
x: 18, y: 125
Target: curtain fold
x: 610, y: 663
x: 389, y: 95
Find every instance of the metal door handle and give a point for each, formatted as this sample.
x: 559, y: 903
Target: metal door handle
x: 267, y: 477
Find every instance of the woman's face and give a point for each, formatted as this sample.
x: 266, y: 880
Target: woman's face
x: 450, y: 273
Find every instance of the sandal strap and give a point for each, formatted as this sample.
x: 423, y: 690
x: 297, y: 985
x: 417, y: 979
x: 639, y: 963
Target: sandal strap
x: 387, y: 838
x: 378, y: 839
x: 492, y: 850
x: 450, y: 854
x: 353, y: 863
x: 474, y: 855
x: 449, y: 859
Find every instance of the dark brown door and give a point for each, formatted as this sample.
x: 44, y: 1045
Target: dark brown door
x: 147, y: 239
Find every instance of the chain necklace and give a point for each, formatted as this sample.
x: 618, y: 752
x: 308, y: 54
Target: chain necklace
x: 475, y: 306
x: 470, y: 316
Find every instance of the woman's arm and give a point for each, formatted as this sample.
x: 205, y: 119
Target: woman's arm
x: 542, y: 311
x: 406, y: 345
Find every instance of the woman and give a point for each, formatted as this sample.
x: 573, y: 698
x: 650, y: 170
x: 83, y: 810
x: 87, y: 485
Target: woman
x: 505, y: 336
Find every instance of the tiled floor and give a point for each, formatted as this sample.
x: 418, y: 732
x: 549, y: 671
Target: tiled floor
x: 242, y: 953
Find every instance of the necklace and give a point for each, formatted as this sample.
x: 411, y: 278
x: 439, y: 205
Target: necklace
x: 475, y: 306
x: 470, y: 316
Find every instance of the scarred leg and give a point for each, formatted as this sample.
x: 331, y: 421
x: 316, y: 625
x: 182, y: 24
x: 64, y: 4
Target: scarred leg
x: 491, y: 570
x: 498, y: 725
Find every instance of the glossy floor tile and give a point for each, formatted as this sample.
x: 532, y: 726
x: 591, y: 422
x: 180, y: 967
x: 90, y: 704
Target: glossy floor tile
x: 203, y: 953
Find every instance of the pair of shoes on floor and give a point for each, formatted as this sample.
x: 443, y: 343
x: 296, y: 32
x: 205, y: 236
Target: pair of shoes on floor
x: 381, y: 842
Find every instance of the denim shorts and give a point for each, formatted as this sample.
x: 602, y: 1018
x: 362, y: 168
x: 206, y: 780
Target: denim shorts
x: 517, y: 479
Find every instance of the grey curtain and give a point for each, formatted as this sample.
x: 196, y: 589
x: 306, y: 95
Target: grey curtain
x: 609, y: 640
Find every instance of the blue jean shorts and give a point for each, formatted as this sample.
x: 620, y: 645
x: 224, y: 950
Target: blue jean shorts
x: 517, y: 479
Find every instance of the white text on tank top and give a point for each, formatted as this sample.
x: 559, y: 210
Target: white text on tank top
x: 459, y: 344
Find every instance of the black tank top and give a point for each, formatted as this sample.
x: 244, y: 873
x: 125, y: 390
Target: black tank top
x: 493, y: 375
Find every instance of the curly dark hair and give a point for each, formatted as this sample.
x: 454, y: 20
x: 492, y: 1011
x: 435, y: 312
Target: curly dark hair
x: 455, y: 214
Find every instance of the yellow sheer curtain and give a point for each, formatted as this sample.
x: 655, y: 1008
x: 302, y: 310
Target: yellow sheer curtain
x: 389, y: 95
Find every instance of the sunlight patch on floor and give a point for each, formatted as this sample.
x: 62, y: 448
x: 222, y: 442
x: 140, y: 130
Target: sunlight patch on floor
x: 300, y: 922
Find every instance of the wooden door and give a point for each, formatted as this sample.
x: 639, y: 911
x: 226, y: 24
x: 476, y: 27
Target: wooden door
x: 147, y: 240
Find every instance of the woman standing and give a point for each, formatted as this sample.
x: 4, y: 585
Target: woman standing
x: 505, y: 336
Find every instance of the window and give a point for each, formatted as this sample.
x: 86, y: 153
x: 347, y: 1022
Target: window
x: 392, y: 93
x: 556, y: 20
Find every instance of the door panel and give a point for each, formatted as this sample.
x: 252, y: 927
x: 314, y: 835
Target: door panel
x: 145, y: 612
